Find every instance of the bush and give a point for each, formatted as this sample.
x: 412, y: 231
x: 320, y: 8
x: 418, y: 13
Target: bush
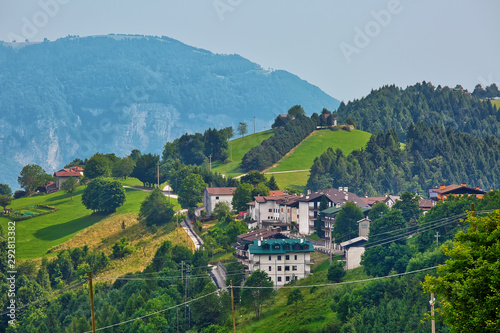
x: 19, y: 194
x: 336, y: 272
x: 122, y: 248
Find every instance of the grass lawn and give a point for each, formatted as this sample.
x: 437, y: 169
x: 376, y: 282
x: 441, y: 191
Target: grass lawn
x: 297, y: 180
x: 36, y: 236
x: 319, y: 141
x: 240, y: 147
x: 496, y: 102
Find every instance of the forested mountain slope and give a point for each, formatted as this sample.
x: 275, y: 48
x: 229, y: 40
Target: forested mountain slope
x: 75, y: 96
x: 393, y: 107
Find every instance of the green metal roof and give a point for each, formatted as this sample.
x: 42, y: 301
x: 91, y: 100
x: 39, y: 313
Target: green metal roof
x: 279, y: 246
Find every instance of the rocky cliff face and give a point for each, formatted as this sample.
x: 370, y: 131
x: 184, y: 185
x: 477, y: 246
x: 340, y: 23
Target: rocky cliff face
x: 77, y: 96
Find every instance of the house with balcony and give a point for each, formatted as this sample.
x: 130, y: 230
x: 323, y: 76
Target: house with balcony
x: 275, y: 211
x: 284, y: 260
x: 308, y: 206
x: 444, y: 191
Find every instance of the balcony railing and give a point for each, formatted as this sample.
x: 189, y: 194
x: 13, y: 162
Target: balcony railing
x: 309, y: 262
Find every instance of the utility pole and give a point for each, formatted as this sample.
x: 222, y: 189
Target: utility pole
x: 253, y: 124
x: 182, y: 270
x: 437, y: 237
x: 232, y: 306
x: 210, y: 156
x: 433, y: 323
x: 231, y: 150
x: 91, y: 302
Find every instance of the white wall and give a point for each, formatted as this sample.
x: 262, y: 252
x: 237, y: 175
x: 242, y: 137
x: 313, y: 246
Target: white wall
x: 353, y: 257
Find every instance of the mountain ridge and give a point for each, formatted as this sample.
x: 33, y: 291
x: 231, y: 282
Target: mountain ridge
x: 76, y: 96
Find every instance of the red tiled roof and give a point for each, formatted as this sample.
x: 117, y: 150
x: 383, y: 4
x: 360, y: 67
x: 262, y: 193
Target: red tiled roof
x: 220, y: 190
x: 335, y: 196
x: 426, y: 204
x: 69, y: 172
x: 257, y: 234
x: 447, y: 189
x: 370, y: 201
x: 275, y: 193
x: 453, y: 187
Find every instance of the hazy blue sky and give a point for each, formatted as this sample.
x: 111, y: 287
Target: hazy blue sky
x: 344, y: 47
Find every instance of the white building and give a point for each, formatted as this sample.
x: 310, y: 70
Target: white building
x: 354, y: 248
x: 274, y: 210
x: 308, y: 207
x: 213, y: 195
x: 284, y: 260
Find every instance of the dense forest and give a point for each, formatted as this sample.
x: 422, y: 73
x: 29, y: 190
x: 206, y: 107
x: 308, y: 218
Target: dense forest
x: 432, y: 156
x: 393, y: 107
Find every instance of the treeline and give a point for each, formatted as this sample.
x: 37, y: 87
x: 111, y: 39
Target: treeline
x: 196, y: 149
x: 274, y: 148
x: 432, y: 156
x: 161, y: 285
x: 393, y: 107
x: 489, y: 92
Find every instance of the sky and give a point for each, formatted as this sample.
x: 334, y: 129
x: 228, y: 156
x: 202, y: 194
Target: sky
x: 344, y: 47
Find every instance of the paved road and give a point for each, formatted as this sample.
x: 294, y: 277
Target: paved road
x: 220, y: 283
x: 188, y: 227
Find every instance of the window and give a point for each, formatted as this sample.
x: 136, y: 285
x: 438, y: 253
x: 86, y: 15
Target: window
x: 269, y: 268
x: 269, y: 278
x: 287, y: 268
x: 295, y: 257
x: 287, y: 257
x: 277, y: 247
x: 295, y: 277
x: 270, y: 210
x: 282, y: 210
x: 269, y: 258
x: 216, y: 198
x: 279, y: 268
x: 294, y: 268
x: 279, y: 278
x: 287, y: 278
x: 279, y: 257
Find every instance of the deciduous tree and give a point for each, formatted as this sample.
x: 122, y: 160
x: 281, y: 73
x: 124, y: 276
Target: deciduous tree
x: 467, y: 286
x: 5, y: 189
x: 241, y: 196
x: 69, y: 185
x: 254, y: 298
x: 97, y: 166
x: 32, y: 176
x: 190, y: 192
x: 242, y: 128
x: 155, y: 209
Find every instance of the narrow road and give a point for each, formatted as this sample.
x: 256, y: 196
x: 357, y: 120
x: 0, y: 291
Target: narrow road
x: 218, y: 280
x: 167, y: 190
x: 188, y: 227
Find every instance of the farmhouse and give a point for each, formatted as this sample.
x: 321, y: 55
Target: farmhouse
x: 63, y: 174
x: 443, y: 191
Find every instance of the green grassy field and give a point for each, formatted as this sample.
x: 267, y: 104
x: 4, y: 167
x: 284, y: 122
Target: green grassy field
x: 239, y: 147
x: 297, y: 180
x: 319, y: 141
x: 35, y: 236
x: 496, y: 102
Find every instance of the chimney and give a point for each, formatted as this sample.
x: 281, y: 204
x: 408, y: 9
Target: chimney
x: 442, y: 186
x: 308, y: 192
x: 477, y: 187
x: 346, y: 189
x: 301, y: 240
x: 346, y: 197
x: 258, y: 242
x: 463, y: 184
x: 341, y: 189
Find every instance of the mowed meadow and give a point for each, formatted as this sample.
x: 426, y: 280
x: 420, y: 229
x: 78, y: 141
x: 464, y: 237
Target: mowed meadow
x: 42, y: 235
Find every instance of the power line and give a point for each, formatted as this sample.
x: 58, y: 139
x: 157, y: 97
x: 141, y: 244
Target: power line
x: 153, y: 313
x: 342, y: 283
x: 158, y: 278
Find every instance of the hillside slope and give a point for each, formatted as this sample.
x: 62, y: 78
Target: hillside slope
x: 75, y: 96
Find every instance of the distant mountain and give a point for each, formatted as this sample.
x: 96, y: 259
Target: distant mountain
x: 76, y: 96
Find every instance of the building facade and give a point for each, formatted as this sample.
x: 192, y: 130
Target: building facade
x: 213, y: 195
x: 284, y: 260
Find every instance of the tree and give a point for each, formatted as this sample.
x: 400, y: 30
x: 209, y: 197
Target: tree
x: 378, y: 210
x: 466, y: 287
x: 190, y: 192
x: 261, y: 190
x: 222, y: 212
x: 146, y: 169
x: 5, y: 190
x: 272, y: 184
x: 97, y: 166
x: 32, y: 176
x: 135, y: 154
x: 103, y: 195
x: 242, y: 129
x: 241, y: 196
x: 5, y: 200
x: 253, y: 177
x: 294, y: 297
x: 336, y: 272
x: 345, y: 222
x: 228, y: 132
x: 296, y: 110
x: 69, y: 185
x: 155, y: 209
x: 408, y: 204
x: 254, y: 298
x: 123, y: 167
x: 215, y: 144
